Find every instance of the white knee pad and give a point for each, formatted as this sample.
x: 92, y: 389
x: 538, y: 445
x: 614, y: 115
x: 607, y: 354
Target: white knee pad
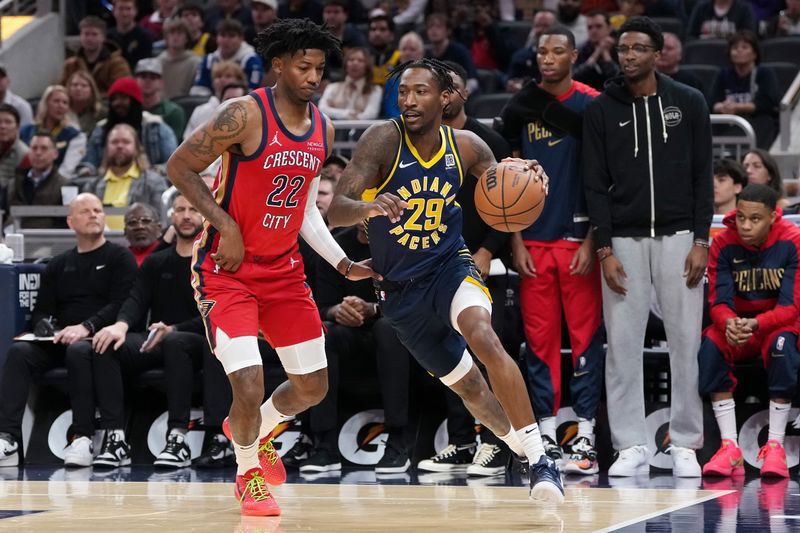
x: 237, y: 353
x: 304, y: 358
x: 461, y: 370
x: 469, y: 294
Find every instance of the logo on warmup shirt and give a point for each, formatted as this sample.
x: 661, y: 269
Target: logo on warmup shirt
x: 672, y: 116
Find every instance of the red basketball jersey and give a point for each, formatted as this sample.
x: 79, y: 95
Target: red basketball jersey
x: 266, y: 192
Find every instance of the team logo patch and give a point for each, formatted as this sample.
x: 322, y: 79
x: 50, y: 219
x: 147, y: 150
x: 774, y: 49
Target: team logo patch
x: 780, y: 343
x: 449, y: 160
x: 672, y: 116
x: 206, y: 306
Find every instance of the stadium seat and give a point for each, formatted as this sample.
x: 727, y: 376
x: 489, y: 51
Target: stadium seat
x: 487, y: 105
x: 487, y: 79
x: 781, y: 49
x: 707, y: 74
x: 706, y: 52
x: 671, y: 25
x: 516, y: 32
x: 784, y: 72
x: 189, y: 102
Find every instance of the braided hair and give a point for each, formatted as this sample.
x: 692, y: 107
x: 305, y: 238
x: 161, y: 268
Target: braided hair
x: 287, y: 36
x: 438, y: 68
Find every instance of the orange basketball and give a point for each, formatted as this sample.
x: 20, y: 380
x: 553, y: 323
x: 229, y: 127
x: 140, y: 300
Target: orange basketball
x: 508, y: 198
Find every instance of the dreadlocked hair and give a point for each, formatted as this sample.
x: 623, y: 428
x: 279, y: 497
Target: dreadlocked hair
x: 287, y: 36
x: 438, y: 68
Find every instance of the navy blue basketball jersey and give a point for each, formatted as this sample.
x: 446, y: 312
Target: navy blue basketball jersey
x: 430, y: 229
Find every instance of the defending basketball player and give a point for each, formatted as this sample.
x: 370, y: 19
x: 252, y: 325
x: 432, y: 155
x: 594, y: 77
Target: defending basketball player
x: 247, y: 269
x: 403, y: 178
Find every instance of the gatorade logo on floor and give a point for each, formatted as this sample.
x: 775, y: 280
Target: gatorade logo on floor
x: 285, y: 435
x: 361, y: 440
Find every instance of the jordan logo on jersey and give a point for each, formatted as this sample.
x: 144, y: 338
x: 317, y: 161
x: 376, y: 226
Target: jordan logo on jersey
x: 275, y: 140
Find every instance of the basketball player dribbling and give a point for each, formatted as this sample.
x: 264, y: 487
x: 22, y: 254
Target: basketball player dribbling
x: 403, y: 179
x: 247, y: 270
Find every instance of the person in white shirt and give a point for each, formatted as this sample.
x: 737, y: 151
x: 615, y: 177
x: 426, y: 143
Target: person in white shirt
x: 7, y: 97
x: 355, y: 98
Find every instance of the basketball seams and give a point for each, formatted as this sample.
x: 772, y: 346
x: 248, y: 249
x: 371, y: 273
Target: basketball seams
x: 505, y: 216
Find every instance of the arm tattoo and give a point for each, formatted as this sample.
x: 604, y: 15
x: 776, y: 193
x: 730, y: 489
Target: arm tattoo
x: 481, y: 155
x: 227, y: 125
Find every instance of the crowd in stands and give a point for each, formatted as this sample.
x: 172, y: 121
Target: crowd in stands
x: 144, y: 75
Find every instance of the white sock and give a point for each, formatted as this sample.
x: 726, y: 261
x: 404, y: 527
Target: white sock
x: 246, y: 457
x: 586, y: 429
x: 531, y: 441
x: 270, y: 417
x: 120, y: 433
x: 513, y: 442
x: 778, y: 418
x: 547, y: 426
x: 725, y: 413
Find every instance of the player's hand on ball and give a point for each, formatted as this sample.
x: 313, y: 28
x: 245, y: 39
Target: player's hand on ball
x: 389, y: 205
x: 230, y: 250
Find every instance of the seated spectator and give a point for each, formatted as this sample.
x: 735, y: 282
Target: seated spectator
x: 134, y: 42
x: 263, y: 13
x: 200, y: 42
x: 443, y: 48
x: 51, y: 117
x: 77, y: 298
x: 143, y: 231
x: 487, y: 45
x: 720, y: 19
x: 149, y: 76
x: 597, y: 60
x: 765, y: 11
x: 226, y: 10
x: 101, y: 58
x: 125, y: 176
x: 355, y: 98
x: 762, y: 169
x: 384, y: 54
x: 178, y: 63
x: 40, y: 184
x: 125, y: 103
x: 154, y: 22
x: 230, y: 47
x: 729, y: 180
x: 752, y: 279
x: 327, y: 183
x: 411, y: 48
x: 17, y: 102
x: 162, y: 294
x: 334, y: 15
x: 569, y: 16
x: 358, y: 329
x: 523, y: 66
x: 748, y: 90
x: 335, y: 165
x: 301, y: 9
x: 787, y: 22
x: 85, y: 102
x: 12, y: 149
x: 223, y: 74
x: 669, y: 63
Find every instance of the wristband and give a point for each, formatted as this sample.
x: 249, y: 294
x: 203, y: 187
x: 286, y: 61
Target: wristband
x: 701, y: 243
x: 89, y: 326
x: 604, y: 253
x: 349, y: 268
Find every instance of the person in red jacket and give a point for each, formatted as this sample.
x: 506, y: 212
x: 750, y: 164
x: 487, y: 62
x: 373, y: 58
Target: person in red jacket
x: 753, y: 287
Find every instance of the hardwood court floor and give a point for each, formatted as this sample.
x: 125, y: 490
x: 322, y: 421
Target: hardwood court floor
x: 169, y: 506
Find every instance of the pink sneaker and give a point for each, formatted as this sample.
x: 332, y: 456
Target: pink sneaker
x: 727, y: 462
x: 254, y: 496
x: 268, y: 457
x: 774, y: 457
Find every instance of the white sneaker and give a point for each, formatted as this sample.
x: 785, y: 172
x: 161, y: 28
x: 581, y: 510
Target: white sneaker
x: 684, y: 462
x: 630, y: 462
x: 80, y: 452
x: 8, y: 452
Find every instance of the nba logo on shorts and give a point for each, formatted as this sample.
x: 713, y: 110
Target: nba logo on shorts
x: 449, y: 160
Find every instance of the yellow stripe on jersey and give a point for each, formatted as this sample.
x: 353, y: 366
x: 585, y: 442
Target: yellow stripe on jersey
x: 481, y: 286
x: 369, y: 194
x: 451, y: 137
x: 436, y: 157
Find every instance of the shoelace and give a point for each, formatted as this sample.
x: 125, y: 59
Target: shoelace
x: 173, y: 446
x: 485, y: 454
x: 719, y: 453
x: 268, y: 450
x: 762, y: 453
x: 257, y: 487
x: 450, y: 451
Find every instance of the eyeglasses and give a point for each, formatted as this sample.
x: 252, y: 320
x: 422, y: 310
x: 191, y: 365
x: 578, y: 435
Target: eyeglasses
x: 637, y: 49
x: 134, y: 222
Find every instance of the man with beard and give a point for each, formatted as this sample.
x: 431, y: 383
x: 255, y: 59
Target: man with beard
x: 142, y: 231
x: 569, y: 16
x: 126, y: 177
x: 174, y: 337
x: 126, y: 102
